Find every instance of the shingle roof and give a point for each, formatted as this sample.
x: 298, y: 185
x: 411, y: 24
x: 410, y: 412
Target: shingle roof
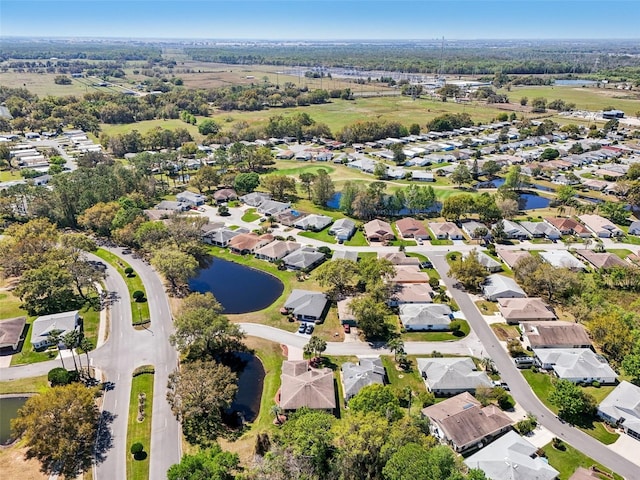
x: 356, y: 376
x: 452, y: 373
x: 623, y: 402
x: 496, y: 285
x: 306, y: 302
x: 568, y: 334
x: 602, y: 259
x: 413, y: 315
x: 305, y: 387
x: 517, y: 309
x: 11, y: 331
x: 575, y: 362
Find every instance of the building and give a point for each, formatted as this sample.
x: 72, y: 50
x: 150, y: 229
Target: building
x: 345, y: 255
x: 411, y: 228
x: 464, y: 424
x: 450, y: 376
x: 306, y: 305
x: 568, y: 226
x: 634, y: 228
x: 255, y: 199
x: 190, y: 198
x: 470, y: 227
x: 411, y: 293
x: 541, y: 230
x: 276, y: 250
x: 511, y: 457
x: 273, y: 207
x: 578, y: 365
x: 490, y: 263
x: 57, y: 323
x: 171, y: 206
x: 516, y: 310
x: 225, y: 195
x: 555, y: 335
x: 622, y: 408
x: 313, y: 222
x: 425, y: 316
x: 378, y: 231
x: 305, y: 258
x: 602, y: 260
x: 345, y: 315
x: 562, y: 259
x: 249, y: 242
x: 343, y: 229
x: 302, y: 386
x: 399, y: 258
x: 11, y: 332
x: 445, y: 231
x: 356, y: 376
x: 600, y: 226
x: 515, y: 231
x: 409, y: 274
x: 222, y: 236
x: 498, y: 286
x: 511, y: 257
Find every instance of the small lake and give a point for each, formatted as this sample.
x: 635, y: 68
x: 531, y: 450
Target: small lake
x: 530, y: 201
x: 250, y: 382
x: 239, y: 289
x: 334, y: 202
x: 9, y: 407
x: 495, y: 183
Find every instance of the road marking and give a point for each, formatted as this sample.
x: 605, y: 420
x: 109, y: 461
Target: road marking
x: 115, y: 405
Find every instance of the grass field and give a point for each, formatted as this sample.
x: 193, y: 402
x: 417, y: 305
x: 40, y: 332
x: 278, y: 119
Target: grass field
x: 567, y: 461
x: 250, y: 215
x: 10, y: 306
x: 437, y: 336
x: 25, y: 385
x: 42, y: 84
x: 138, y: 469
x: 147, y: 125
x: 322, y: 235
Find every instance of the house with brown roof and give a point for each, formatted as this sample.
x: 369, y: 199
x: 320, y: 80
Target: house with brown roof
x: 249, y: 242
x: 409, y: 274
x: 569, y: 226
x: 274, y: 251
x: 600, y: 226
x: 411, y: 228
x: 516, y: 310
x: 225, y: 195
x: 604, y: 260
x: 555, y: 335
x: 446, y: 230
x: 378, y: 231
x: 399, y: 258
x: 464, y: 424
x: 11, y: 332
x: 511, y: 257
x: 302, y: 386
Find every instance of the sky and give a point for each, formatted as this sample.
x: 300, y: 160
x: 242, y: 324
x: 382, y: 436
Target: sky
x: 323, y: 19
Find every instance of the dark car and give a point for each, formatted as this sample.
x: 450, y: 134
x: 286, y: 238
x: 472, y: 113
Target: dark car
x: 302, y: 328
x: 126, y: 251
x: 347, y: 328
x: 309, y: 329
x: 426, y: 265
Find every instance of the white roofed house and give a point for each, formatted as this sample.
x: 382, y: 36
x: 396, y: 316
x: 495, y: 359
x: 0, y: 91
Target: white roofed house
x: 622, y: 408
x: 578, y: 365
x: 343, y: 229
x: 305, y: 258
x: 313, y: 222
x: 541, y: 230
x: 562, y: 259
x: 446, y: 230
x: 273, y: 207
x: 58, y: 323
x: 514, y: 230
x: 356, y: 376
x: 600, y: 226
x: 490, y: 263
x: 498, y: 286
x: 191, y: 198
x: 425, y: 316
x: 276, y: 250
x: 450, y: 376
x: 255, y: 199
x: 471, y: 226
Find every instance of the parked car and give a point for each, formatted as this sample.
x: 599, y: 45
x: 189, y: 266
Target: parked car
x: 126, y: 251
x: 347, y: 328
x: 302, y: 328
x: 309, y: 329
x: 523, y: 362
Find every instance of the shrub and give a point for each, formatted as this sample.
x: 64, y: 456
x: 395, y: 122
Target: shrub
x: 136, y: 449
x: 426, y: 398
x: 128, y: 271
x: 456, y: 327
x: 595, y: 383
x: 144, y: 369
x: 59, y: 376
x: 138, y: 295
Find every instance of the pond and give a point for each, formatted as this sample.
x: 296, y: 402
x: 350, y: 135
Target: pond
x: 9, y: 407
x: 575, y: 82
x: 239, y: 289
x: 495, y: 183
x: 531, y: 201
x: 246, y: 404
x: 334, y: 202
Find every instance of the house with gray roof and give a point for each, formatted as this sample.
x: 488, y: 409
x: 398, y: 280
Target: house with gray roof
x: 57, y: 323
x: 634, y: 228
x: 171, y: 206
x: 425, y: 316
x: 622, y: 408
x: 498, y: 286
x: 273, y: 207
x: 255, y: 199
x: 306, y: 304
x: 578, y: 365
x: 511, y: 457
x: 345, y: 255
x: 276, y: 250
x: 450, y: 376
x: 541, y: 230
x: 343, y: 229
x: 554, y: 335
x: 305, y: 258
x: 470, y: 227
x: 562, y: 259
x: 604, y: 260
x: 356, y: 376
x: 222, y: 236
x: 514, y: 230
x: 11, y: 330
x: 190, y: 198
x: 491, y: 264
x: 313, y: 222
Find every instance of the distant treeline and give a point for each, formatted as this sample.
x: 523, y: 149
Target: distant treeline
x: 90, y: 51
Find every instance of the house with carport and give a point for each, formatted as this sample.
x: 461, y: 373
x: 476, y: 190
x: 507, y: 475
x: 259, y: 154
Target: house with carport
x: 578, y: 365
x: 622, y: 408
x: 450, y: 376
x: 306, y: 305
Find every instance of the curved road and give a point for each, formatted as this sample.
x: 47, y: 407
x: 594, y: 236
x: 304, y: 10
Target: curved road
x: 520, y: 388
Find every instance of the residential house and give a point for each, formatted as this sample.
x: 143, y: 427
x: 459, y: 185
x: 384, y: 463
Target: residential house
x: 562, y: 259
x: 285, y: 154
x: 343, y: 229
x: 471, y: 226
x: 490, y: 263
x: 516, y: 310
x: 306, y: 305
x: 634, y: 228
x: 222, y: 236
x: 511, y: 457
x: 445, y: 230
x: 248, y: 242
x: 541, y: 230
x: 578, y: 365
x: 498, y: 286
x: 622, y: 408
x: 255, y: 199
x: 569, y: 226
x: 273, y: 207
x: 555, y: 335
x: 602, y: 260
x: 600, y: 226
x: 11, y: 332
x: 171, y: 206
x: 313, y: 222
x: 450, y: 376
x: 305, y: 258
x: 289, y: 217
x: 276, y: 250
x: 513, y: 230
x: 190, y: 198
x: 225, y: 195
x: 302, y: 386
x: 378, y: 231
x: 399, y: 258
x: 409, y: 274
x: 420, y: 176
x: 356, y: 376
x: 411, y: 228
x: 209, y: 227
x: 57, y: 323
x: 425, y: 316
x: 345, y: 255
x: 464, y: 424
x: 345, y: 315
x: 512, y: 257
x: 410, y: 293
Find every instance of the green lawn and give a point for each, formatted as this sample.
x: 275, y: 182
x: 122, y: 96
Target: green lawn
x: 567, y: 461
x: 437, y: 336
x: 25, y: 385
x: 322, y: 235
x: 296, y: 171
x: 10, y: 306
x: 399, y: 379
x: 406, y: 243
x: 358, y: 240
x: 487, y: 308
x: 632, y: 239
x: 139, y: 310
x: 140, y: 431
x: 620, y: 252
x: 441, y: 242
x: 250, y: 215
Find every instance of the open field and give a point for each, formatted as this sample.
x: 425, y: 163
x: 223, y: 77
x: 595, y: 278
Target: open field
x: 25, y: 385
x: 42, y: 84
x: 13, y: 464
x: 148, y: 125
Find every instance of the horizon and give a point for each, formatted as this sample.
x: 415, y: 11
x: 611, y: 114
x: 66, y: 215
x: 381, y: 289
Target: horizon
x: 317, y: 20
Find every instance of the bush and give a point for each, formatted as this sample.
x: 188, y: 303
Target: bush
x: 595, y: 383
x: 136, y: 449
x: 138, y: 295
x: 456, y: 327
x: 426, y: 399
x: 59, y: 376
x: 128, y: 271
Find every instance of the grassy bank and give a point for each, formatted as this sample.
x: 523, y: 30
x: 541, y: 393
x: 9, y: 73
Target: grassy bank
x: 25, y: 385
x: 138, y: 469
x: 568, y: 460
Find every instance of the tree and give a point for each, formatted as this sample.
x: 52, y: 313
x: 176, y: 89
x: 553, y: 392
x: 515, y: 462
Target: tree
x: 396, y: 345
x: 461, y: 175
x: 208, y: 127
x: 202, y: 331
x: 46, y: 289
x: 565, y: 194
x: 513, y: 180
x: 379, y: 399
x: 246, y: 182
x: 307, y: 179
x: 380, y: 170
x: 456, y: 206
x: 508, y: 207
x: 498, y: 232
x: 539, y: 105
x: 469, y: 271
x: 315, y: 346
x: 59, y: 376
x: 278, y: 185
x: 199, y: 394
x: 490, y: 168
x: 176, y: 266
x: 414, y: 461
x: 631, y: 364
x: 399, y: 157
x: 323, y: 188
x: 371, y: 316
x: 59, y: 428
x: 339, y: 274
x: 573, y: 403
x: 419, y: 199
x: 349, y: 192
x: 374, y: 271
x: 549, y: 154
x: 99, y: 217
x: 211, y: 464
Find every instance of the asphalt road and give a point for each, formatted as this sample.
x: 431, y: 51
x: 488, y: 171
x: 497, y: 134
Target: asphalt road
x: 520, y: 389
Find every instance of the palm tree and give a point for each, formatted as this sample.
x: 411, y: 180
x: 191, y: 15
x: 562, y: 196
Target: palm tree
x: 396, y: 345
x: 85, y: 346
x: 277, y: 412
x: 70, y: 341
x: 54, y: 338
